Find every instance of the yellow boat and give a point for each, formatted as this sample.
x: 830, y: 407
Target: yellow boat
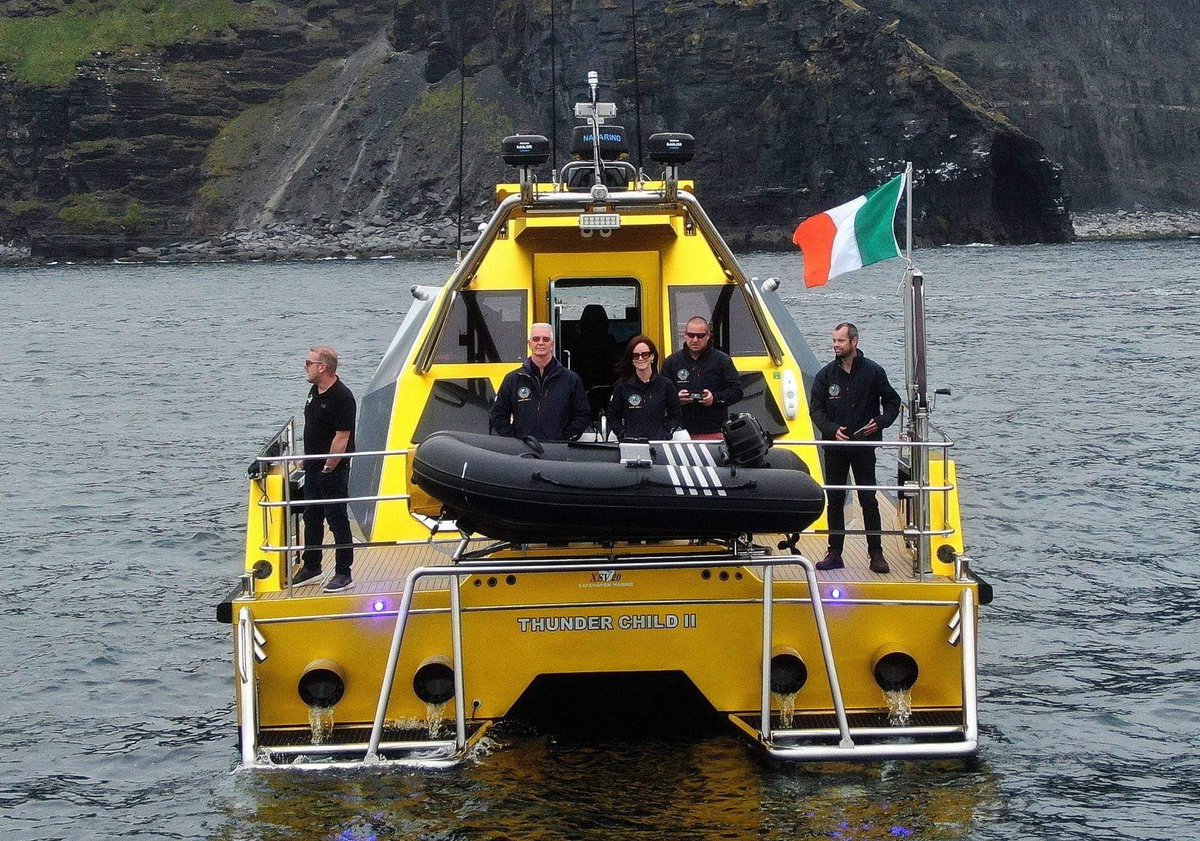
x: 446, y: 632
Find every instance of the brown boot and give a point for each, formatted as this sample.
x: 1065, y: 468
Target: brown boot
x: 832, y: 560
x: 878, y: 564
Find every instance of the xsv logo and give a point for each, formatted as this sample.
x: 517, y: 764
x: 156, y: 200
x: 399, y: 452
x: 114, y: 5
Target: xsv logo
x: 605, y: 576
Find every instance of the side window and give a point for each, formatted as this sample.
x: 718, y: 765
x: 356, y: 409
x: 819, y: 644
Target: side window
x: 734, y: 330
x: 461, y: 405
x: 484, y: 327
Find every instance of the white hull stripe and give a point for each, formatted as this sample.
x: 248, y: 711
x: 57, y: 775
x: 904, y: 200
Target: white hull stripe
x: 692, y: 469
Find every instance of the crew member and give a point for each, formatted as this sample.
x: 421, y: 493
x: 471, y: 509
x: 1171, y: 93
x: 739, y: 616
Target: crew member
x: 542, y: 398
x: 706, y: 381
x: 328, y: 433
x: 644, y: 406
x: 852, y: 400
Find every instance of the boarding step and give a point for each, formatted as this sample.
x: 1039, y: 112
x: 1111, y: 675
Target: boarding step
x: 872, y: 735
x: 346, y: 745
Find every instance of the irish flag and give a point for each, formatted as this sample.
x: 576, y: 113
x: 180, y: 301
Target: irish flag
x: 855, y: 234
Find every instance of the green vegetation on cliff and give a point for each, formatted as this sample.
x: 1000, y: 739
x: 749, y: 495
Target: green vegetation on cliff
x: 45, y: 50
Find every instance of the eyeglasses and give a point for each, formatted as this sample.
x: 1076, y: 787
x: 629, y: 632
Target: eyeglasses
x: 692, y: 335
x: 642, y: 354
x: 541, y: 339
x: 308, y: 362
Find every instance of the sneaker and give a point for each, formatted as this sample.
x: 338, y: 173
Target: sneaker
x: 339, y: 582
x: 832, y: 560
x: 878, y: 564
x: 305, y: 575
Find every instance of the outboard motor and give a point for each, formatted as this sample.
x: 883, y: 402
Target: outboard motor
x: 745, y: 441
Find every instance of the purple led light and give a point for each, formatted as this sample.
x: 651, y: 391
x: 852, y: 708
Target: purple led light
x: 835, y: 593
x: 378, y: 605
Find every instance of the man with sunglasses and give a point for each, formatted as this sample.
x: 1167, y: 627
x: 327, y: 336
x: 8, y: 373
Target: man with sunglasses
x: 328, y: 431
x: 706, y: 379
x: 542, y: 398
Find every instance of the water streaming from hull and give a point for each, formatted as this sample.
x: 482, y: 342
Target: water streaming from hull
x: 899, y: 703
x: 320, y: 722
x: 787, y: 708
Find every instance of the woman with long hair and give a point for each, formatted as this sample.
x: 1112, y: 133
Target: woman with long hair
x: 644, y: 404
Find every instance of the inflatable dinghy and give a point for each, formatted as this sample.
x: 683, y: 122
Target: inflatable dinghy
x: 524, y: 491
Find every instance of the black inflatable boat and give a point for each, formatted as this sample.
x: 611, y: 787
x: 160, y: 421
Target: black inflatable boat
x: 524, y: 491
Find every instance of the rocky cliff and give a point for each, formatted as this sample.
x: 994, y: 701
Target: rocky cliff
x: 1109, y: 87
x: 338, y: 120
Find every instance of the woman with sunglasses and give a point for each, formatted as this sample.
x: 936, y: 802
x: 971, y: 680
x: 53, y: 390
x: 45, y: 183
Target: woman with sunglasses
x: 644, y: 405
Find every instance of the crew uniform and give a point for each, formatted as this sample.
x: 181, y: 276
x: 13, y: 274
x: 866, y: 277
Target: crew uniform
x: 325, y: 415
x: 852, y: 400
x: 550, y: 407
x: 644, y: 411
x: 713, y: 370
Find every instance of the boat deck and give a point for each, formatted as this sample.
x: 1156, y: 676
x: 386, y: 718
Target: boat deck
x: 384, y: 568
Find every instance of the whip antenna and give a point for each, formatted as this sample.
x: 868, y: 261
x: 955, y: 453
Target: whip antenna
x: 637, y: 82
x: 462, y: 119
x: 553, y: 91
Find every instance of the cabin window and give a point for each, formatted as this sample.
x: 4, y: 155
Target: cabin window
x: 460, y: 405
x: 484, y: 327
x: 734, y: 329
x: 758, y: 400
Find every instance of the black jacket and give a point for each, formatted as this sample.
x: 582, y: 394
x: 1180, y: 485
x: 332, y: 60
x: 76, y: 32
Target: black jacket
x: 646, y: 411
x: 852, y: 399
x: 713, y: 370
x: 550, y: 408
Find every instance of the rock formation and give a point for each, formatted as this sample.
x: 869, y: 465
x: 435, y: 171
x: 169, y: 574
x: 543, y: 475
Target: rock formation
x: 333, y: 125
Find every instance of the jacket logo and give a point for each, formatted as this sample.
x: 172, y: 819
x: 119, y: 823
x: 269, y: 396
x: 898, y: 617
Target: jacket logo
x: 835, y: 390
x: 635, y: 400
x: 523, y: 392
x: 682, y: 375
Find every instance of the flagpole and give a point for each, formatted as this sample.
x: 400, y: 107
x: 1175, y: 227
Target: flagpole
x: 908, y: 212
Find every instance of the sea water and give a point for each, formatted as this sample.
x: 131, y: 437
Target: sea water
x: 137, y: 395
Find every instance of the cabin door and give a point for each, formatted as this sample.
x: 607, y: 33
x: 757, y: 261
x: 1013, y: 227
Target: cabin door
x: 593, y: 321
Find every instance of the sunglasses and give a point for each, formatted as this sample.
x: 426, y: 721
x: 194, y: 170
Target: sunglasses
x: 308, y: 362
x: 692, y: 335
x: 642, y: 354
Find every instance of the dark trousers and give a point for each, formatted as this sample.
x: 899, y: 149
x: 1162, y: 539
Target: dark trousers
x: 335, y: 485
x: 839, y: 461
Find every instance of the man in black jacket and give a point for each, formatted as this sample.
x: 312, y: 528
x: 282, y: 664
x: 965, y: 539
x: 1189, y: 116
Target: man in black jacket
x: 541, y: 398
x: 706, y: 378
x: 852, y: 400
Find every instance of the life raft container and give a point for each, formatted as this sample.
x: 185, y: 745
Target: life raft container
x: 524, y: 491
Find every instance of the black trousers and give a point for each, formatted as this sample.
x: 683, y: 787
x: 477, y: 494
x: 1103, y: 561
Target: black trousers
x: 839, y: 462
x: 335, y: 485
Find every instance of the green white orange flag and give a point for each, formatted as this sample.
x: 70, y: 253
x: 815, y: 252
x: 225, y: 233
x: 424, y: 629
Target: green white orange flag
x: 855, y: 234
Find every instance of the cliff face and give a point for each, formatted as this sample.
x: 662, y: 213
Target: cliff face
x: 1109, y: 87
x: 326, y: 113
x: 117, y: 150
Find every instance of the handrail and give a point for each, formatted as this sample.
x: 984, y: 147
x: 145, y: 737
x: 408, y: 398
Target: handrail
x: 315, y: 456
x: 767, y: 563
x: 887, y: 445
x: 247, y: 691
x: 525, y: 568
x: 298, y: 503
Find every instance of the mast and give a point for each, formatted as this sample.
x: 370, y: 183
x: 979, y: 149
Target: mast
x: 916, y: 387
